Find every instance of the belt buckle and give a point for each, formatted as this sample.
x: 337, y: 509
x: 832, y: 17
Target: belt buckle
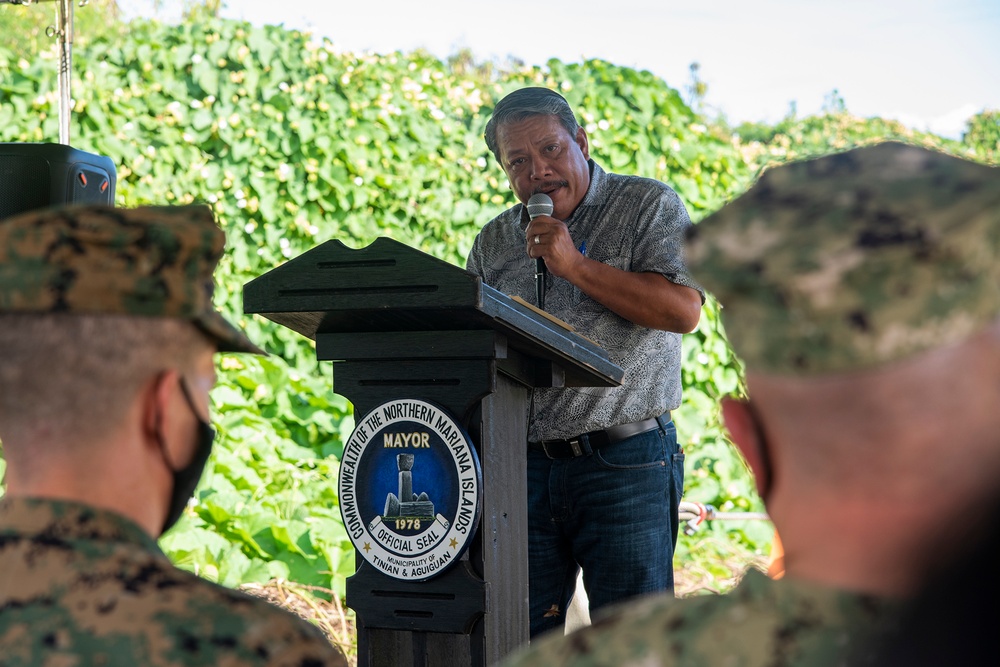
x: 574, y: 446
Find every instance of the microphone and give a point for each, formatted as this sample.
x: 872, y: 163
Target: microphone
x: 539, y: 204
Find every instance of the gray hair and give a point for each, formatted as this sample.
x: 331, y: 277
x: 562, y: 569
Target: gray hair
x: 526, y: 103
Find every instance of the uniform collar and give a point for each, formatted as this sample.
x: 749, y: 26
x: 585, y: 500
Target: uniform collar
x: 67, y: 521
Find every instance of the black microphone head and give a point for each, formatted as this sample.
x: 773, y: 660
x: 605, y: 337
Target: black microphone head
x: 539, y: 204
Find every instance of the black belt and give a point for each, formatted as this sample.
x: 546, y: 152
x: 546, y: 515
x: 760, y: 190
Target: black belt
x: 587, y: 443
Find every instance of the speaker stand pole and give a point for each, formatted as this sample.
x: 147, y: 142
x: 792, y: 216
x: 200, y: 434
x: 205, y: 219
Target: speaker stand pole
x: 65, y: 33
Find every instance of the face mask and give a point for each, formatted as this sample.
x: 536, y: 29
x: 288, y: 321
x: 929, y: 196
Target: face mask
x: 186, y: 479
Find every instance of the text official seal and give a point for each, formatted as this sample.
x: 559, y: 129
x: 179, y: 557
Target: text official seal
x: 410, y: 489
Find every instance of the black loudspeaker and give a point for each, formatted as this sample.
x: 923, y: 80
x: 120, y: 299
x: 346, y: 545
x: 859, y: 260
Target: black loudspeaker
x: 42, y: 175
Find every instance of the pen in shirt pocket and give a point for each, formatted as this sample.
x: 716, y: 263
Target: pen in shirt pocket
x: 583, y: 248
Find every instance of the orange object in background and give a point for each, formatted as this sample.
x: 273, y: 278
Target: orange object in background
x: 776, y: 566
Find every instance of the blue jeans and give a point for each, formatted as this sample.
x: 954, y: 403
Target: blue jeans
x: 613, y: 513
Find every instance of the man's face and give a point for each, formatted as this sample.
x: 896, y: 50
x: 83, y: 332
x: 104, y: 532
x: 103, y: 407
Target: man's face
x: 539, y: 155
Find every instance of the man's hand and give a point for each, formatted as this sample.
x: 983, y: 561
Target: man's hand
x: 554, y: 245
x: 647, y: 299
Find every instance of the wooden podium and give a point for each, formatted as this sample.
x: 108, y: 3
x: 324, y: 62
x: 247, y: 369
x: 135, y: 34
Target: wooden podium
x: 398, y: 323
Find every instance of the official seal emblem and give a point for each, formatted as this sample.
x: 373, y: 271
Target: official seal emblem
x: 410, y: 489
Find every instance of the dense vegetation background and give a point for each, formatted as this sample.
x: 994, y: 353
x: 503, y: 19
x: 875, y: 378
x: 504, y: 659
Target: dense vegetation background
x: 293, y: 143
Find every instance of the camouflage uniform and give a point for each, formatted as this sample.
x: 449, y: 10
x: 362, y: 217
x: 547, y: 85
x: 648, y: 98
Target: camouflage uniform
x: 85, y: 586
x: 761, y: 622
x: 855, y: 259
x: 826, y: 266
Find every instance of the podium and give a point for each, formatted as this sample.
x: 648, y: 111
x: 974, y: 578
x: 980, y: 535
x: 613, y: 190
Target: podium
x: 404, y: 329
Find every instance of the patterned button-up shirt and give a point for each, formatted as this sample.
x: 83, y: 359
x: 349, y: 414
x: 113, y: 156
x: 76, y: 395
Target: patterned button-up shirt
x: 634, y: 224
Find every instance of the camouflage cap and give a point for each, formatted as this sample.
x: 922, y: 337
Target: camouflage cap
x: 155, y: 261
x: 855, y: 259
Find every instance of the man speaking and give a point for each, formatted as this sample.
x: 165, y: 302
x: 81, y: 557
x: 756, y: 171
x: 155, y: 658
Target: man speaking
x: 605, y: 474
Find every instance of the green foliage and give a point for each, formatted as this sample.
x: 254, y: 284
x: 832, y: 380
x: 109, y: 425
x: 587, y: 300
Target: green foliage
x: 796, y: 138
x: 982, y: 135
x: 268, y: 507
x: 293, y: 143
x: 28, y: 29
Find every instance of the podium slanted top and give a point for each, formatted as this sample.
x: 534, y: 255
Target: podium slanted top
x: 391, y: 287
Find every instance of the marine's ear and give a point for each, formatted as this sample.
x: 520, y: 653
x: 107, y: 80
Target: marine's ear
x: 746, y: 431
x: 155, y: 399
x: 160, y: 405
